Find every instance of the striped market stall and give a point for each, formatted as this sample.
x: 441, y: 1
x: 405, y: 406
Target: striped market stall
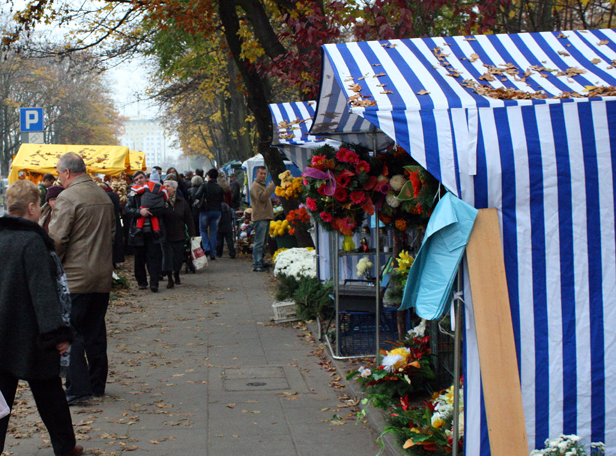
x: 525, y: 124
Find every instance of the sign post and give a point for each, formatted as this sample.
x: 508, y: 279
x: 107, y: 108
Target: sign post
x: 31, y: 125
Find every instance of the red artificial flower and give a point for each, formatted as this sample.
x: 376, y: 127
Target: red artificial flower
x: 362, y: 166
x: 357, y: 197
x: 343, y: 180
x: 318, y: 162
x: 347, y: 225
x: 414, y: 178
x: 327, y: 218
x: 367, y: 206
x: 405, y: 402
x: 383, y: 187
x: 341, y: 194
x: 321, y: 190
x: 370, y: 183
x: 305, y: 181
x: 311, y: 203
x: 352, y: 157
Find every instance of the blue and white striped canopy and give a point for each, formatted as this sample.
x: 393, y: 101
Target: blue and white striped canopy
x: 547, y: 164
x: 291, y: 123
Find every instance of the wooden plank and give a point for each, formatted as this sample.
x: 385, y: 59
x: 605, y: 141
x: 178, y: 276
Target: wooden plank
x: 497, y: 355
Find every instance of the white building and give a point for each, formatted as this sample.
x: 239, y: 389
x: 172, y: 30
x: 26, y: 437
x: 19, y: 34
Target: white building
x: 148, y: 135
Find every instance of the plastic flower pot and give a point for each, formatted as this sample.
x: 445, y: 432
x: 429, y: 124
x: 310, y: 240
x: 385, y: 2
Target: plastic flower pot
x: 286, y: 241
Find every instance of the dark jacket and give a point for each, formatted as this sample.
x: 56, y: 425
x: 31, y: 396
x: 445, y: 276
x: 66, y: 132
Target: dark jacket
x: 31, y: 322
x: 235, y: 194
x: 176, y: 219
x: 214, y: 195
x: 131, y: 210
x: 225, y: 225
x: 118, y: 240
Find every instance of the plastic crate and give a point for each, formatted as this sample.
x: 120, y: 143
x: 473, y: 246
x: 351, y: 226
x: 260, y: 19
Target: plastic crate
x: 285, y: 311
x: 357, y: 335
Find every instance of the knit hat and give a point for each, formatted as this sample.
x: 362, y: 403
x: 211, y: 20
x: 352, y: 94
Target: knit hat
x: 154, y: 176
x: 53, y: 192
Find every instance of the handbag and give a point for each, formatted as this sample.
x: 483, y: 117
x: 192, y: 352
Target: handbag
x: 201, y: 202
x: 197, y: 254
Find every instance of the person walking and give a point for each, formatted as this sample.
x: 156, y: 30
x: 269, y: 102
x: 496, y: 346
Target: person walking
x: 262, y: 214
x: 210, y: 212
x: 34, y: 330
x: 177, y: 218
x: 225, y: 231
x: 83, y: 228
x: 147, y: 247
x: 118, y: 240
x: 50, y: 200
x: 236, y: 192
x: 195, y: 182
x: 46, y: 183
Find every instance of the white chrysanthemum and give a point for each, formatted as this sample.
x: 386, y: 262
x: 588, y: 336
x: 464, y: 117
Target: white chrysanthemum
x: 296, y: 262
x: 397, y: 182
x: 389, y: 362
x: 382, y: 178
x: 363, y: 266
x: 418, y: 331
x: 392, y: 200
x: 364, y: 372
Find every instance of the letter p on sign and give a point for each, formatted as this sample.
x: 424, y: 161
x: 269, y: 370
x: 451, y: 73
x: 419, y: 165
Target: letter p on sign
x: 31, y: 119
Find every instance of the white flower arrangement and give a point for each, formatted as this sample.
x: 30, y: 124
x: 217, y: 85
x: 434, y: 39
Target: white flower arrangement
x: 363, y: 266
x: 397, y: 182
x: 278, y: 210
x: 389, y: 362
x: 296, y: 262
x: 569, y: 445
x: 418, y: 331
x: 364, y: 372
x: 443, y: 411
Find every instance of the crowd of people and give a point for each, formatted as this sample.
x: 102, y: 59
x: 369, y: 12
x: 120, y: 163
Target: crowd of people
x: 60, y: 243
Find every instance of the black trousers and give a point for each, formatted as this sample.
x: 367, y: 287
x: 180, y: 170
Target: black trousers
x: 150, y: 255
x: 220, y: 238
x: 87, y: 372
x: 52, y: 406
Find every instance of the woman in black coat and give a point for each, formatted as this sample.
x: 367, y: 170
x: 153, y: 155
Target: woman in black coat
x: 33, y: 332
x: 177, y: 218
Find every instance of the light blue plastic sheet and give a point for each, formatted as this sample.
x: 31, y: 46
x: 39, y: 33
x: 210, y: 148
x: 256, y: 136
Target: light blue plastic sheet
x: 434, y: 270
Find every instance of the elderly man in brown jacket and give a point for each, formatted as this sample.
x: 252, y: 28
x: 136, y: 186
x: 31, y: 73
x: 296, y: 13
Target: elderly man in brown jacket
x: 83, y: 227
x: 262, y: 214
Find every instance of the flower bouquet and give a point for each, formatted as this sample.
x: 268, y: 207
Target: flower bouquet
x: 298, y: 219
x: 337, y: 188
x: 290, y: 187
x: 403, y: 370
x: 427, y: 429
x: 398, y: 278
x: 404, y: 191
x: 278, y: 228
x: 566, y: 445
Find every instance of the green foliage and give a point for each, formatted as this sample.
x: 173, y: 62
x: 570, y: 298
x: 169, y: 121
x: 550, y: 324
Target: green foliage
x: 313, y: 298
x: 286, y: 287
x: 120, y: 284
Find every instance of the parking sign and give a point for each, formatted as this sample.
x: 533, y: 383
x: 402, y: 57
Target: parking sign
x: 31, y: 119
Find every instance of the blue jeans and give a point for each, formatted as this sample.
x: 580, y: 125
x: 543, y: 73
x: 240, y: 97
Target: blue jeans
x: 208, y: 226
x: 261, y: 229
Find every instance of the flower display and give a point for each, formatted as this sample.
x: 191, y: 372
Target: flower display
x: 278, y: 228
x: 290, y: 187
x: 402, y: 370
x: 363, y: 266
x: 430, y: 426
x: 338, y: 188
x: 296, y: 262
x: 404, y: 192
x: 398, y: 277
x: 569, y: 445
x: 298, y: 218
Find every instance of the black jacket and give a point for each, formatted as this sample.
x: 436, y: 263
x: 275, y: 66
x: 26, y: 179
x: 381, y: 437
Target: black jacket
x: 31, y: 322
x: 236, y: 197
x: 214, y: 195
x: 133, y: 206
x: 177, y: 219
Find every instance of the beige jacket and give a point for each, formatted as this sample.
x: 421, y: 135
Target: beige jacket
x: 83, y: 226
x: 261, y: 202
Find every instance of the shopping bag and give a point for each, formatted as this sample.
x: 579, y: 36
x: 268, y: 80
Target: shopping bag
x: 199, y: 258
x: 4, y: 408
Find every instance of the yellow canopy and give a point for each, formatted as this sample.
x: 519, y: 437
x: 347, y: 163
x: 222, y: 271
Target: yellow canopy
x: 39, y: 159
x: 137, y: 162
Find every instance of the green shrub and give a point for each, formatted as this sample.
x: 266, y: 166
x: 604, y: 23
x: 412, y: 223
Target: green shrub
x: 313, y: 299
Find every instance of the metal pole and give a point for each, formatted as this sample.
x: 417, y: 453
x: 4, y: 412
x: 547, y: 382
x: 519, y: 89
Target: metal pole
x: 337, y: 289
x: 377, y: 265
x: 456, y: 366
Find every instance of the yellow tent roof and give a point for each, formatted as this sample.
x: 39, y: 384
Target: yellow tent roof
x: 43, y: 158
x: 137, y: 162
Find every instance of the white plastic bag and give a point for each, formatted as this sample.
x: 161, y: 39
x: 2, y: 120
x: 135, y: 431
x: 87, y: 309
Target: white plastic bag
x: 197, y: 254
x: 4, y: 408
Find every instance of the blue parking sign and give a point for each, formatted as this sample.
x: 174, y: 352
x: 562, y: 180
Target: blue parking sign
x: 31, y: 119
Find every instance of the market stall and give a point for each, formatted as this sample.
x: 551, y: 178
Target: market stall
x: 525, y: 124
x: 250, y: 165
x: 137, y: 162
x: 35, y: 160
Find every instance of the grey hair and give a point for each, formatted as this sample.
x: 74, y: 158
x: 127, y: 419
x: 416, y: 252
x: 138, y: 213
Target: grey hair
x: 73, y: 162
x: 173, y: 183
x: 196, y: 180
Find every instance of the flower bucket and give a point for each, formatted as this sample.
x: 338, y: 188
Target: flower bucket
x: 286, y: 241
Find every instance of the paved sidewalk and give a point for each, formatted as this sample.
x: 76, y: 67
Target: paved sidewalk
x: 201, y: 370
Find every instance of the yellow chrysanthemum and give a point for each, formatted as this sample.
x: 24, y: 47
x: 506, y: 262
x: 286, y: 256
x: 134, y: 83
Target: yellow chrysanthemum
x: 438, y: 424
x: 405, y: 261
